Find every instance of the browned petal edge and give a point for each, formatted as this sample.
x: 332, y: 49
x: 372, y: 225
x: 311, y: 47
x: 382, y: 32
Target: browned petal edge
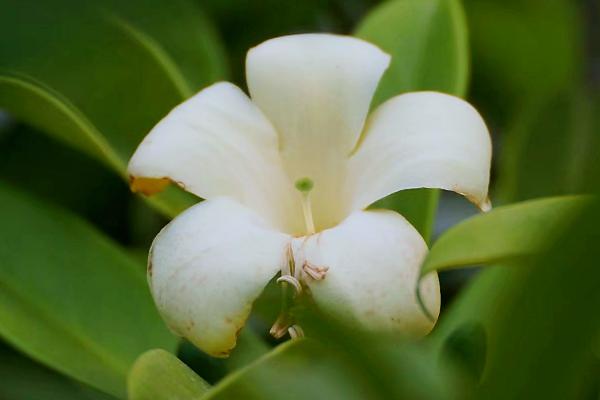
x: 149, y: 265
x: 147, y: 186
x: 238, y: 322
x: 484, y: 205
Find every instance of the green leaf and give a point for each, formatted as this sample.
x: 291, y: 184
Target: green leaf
x: 524, y: 48
x: 158, y: 375
x: 340, y: 362
x: 293, y: 370
x: 558, y: 132
x: 58, y: 174
x: 70, y: 298
x: 418, y: 206
x: 99, y: 76
x: 467, y: 347
x: 530, y: 92
x: 538, y: 316
x: 428, y: 42
x: 550, y: 320
x: 504, y: 234
x: 23, y: 379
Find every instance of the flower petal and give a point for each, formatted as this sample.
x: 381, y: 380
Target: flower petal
x: 373, y: 259
x: 218, y: 143
x: 207, y: 267
x: 422, y: 139
x: 316, y: 90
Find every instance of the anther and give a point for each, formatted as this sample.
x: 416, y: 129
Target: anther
x: 291, y: 263
x: 296, y: 331
x: 280, y: 327
x: 315, y: 272
x: 292, y: 281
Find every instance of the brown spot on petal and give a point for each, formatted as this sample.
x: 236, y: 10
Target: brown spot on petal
x: 190, y: 326
x: 149, y: 268
x: 237, y: 333
x: 148, y: 186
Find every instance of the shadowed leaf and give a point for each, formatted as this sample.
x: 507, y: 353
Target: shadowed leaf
x: 70, y: 298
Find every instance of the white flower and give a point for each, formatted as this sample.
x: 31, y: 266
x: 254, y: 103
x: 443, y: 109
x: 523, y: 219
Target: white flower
x: 255, y: 159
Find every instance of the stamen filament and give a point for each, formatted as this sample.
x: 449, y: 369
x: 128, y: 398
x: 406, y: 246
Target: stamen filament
x: 284, y: 321
x: 292, y: 281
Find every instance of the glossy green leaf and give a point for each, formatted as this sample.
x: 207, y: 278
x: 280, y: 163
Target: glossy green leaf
x: 23, y: 379
x: 428, y: 42
x: 539, y: 316
x: 547, y: 327
x: 70, y: 298
x: 504, y: 234
x: 159, y: 375
x: 99, y: 75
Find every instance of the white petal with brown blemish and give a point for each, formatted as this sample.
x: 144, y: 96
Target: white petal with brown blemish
x: 421, y: 140
x: 208, y: 266
x: 310, y: 96
x: 373, y: 260
x: 218, y: 143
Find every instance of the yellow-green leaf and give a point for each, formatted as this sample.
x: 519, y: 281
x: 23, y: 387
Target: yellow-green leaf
x: 159, y: 375
x: 503, y: 234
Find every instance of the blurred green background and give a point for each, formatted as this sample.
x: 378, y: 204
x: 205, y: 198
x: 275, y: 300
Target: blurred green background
x: 81, y: 84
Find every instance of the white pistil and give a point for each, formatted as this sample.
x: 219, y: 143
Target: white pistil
x: 304, y: 186
x: 308, y: 218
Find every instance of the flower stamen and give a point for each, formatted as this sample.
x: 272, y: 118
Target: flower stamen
x: 315, y: 272
x: 281, y: 326
x: 285, y: 321
x: 292, y: 281
x: 296, y: 331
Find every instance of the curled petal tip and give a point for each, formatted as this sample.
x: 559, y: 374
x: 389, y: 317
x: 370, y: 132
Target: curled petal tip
x: 486, y: 205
